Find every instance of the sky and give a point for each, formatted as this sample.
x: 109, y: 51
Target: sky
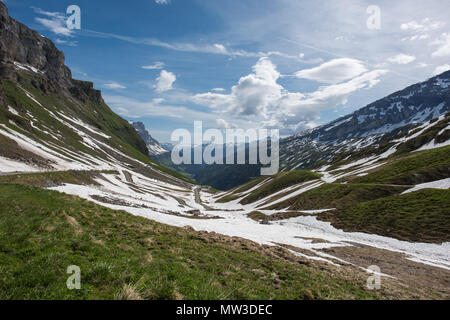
x: 285, y: 64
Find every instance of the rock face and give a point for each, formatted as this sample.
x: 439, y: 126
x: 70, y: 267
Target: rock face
x: 27, y: 59
x: 22, y: 45
x: 153, y: 146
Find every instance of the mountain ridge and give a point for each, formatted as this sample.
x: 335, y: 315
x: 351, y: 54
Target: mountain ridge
x: 153, y: 146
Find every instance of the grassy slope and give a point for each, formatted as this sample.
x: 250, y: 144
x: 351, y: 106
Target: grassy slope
x: 421, y: 216
x: 235, y: 193
x: 120, y: 255
x: 416, y: 168
x: 50, y: 179
x: 426, y: 137
x: 330, y: 196
x: 373, y: 203
x: 279, y: 182
x: 123, y: 137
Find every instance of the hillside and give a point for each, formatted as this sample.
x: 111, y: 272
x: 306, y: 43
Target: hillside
x: 127, y: 257
x: 77, y: 186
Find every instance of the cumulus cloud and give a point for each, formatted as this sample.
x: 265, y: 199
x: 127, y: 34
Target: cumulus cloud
x: 334, y: 71
x: 165, y: 81
x: 251, y: 95
x: 218, y: 90
x: 114, y: 85
x: 441, y: 69
x: 402, y: 59
x: 156, y: 66
x: 162, y: 1
x: 259, y: 95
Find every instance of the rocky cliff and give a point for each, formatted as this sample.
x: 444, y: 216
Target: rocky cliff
x: 21, y: 46
x: 153, y: 146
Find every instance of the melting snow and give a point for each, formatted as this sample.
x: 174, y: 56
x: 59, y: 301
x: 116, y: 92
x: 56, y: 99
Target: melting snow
x: 440, y: 184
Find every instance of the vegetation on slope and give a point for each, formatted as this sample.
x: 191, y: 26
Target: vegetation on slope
x: 91, y: 110
x: 426, y: 137
x: 280, y: 182
x: 416, y: 168
x: 52, y: 179
x: 235, y: 193
x: 126, y: 257
x: 421, y: 216
x: 335, y: 195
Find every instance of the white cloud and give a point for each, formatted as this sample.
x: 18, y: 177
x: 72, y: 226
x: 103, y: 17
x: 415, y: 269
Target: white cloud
x: 402, y: 59
x: 296, y: 110
x: 158, y: 100
x: 444, y: 46
x: 223, y: 124
x: 441, y: 69
x: 114, y: 86
x: 258, y: 95
x: 133, y: 108
x: 424, y: 25
x: 251, y: 95
x: 67, y: 43
x: 165, y: 81
x: 55, y: 25
x: 218, y: 90
x: 412, y: 25
x: 156, y: 66
x: 215, y: 48
x: 334, y: 71
x: 162, y: 1
x: 54, y: 21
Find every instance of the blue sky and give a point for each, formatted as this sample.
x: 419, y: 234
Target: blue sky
x: 286, y: 64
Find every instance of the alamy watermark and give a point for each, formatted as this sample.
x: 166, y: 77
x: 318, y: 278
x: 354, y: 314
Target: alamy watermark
x: 230, y: 146
x: 374, y: 281
x: 74, y: 280
x: 73, y: 22
x: 374, y: 19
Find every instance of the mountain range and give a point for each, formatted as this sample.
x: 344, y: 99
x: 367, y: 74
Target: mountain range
x: 78, y: 187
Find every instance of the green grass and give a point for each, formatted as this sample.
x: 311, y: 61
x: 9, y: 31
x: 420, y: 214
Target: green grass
x: 49, y: 179
x: 258, y: 216
x: 329, y: 196
x: 97, y: 114
x: 228, y: 198
x: 421, y: 216
x: 43, y: 232
x: 249, y: 185
x: 416, y: 168
x: 424, y: 138
x: 279, y: 182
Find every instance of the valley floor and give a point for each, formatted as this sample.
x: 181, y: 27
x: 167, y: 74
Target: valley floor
x: 420, y: 267
x: 127, y: 257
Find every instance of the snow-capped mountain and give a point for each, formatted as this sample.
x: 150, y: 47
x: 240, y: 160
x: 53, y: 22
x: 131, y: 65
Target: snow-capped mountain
x: 153, y: 146
x: 366, y: 127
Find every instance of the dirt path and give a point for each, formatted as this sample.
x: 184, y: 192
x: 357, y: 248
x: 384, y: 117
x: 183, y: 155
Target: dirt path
x: 198, y: 200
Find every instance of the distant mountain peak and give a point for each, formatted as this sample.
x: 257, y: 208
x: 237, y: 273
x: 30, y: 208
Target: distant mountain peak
x: 154, y: 147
